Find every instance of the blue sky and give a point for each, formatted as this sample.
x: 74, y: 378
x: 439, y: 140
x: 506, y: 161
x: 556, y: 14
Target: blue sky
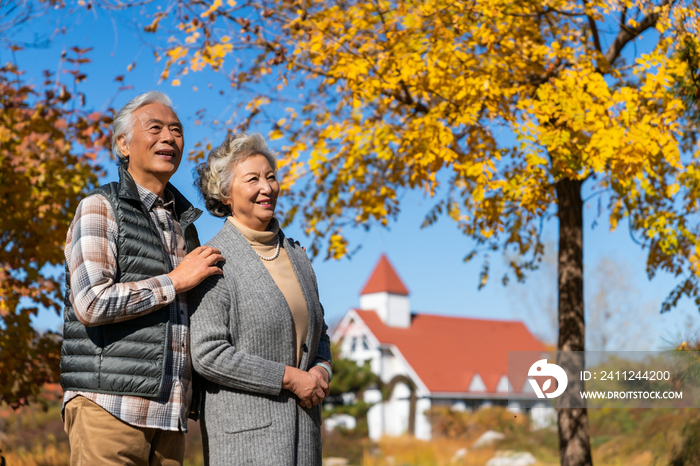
x: 430, y: 261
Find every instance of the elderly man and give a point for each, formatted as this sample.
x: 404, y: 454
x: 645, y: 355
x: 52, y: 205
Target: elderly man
x: 132, y: 253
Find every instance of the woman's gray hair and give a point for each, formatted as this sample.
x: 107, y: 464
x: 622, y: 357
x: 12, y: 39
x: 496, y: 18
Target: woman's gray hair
x: 215, y: 176
x: 123, y: 123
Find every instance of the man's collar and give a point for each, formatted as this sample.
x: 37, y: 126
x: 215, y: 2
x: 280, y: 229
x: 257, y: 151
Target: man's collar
x: 128, y: 190
x: 149, y: 199
x: 127, y: 185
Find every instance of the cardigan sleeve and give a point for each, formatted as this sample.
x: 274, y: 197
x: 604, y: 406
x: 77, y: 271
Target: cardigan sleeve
x: 324, y: 343
x: 213, y: 354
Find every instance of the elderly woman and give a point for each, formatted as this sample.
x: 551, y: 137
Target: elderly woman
x: 257, y: 336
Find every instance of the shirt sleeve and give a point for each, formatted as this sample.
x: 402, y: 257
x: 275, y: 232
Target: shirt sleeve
x: 92, y: 262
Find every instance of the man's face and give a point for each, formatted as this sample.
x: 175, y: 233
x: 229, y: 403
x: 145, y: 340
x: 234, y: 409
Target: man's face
x: 155, y: 149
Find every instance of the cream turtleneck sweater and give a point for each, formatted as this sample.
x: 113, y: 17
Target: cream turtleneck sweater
x: 265, y: 244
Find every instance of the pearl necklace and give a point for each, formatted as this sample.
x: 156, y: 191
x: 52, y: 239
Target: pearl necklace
x: 277, y: 253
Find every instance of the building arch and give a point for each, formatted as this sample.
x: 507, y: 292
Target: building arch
x: 387, y: 390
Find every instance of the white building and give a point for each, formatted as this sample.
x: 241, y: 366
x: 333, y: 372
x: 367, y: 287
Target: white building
x: 429, y: 359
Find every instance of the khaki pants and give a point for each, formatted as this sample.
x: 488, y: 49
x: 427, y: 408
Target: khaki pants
x: 98, y: 438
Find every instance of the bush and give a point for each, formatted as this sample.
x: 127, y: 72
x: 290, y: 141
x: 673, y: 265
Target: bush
x: 463, y: 424
x: 689, y: 453
x: 344, y: 443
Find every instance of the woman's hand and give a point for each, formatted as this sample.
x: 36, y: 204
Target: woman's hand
x: 307, y: 386
x: 322, y: 374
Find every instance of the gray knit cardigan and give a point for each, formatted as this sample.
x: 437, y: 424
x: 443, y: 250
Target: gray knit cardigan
x: 242, y: 337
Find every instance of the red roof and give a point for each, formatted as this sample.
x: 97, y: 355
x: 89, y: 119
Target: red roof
x: 384, y: 279
x: 446, y: 352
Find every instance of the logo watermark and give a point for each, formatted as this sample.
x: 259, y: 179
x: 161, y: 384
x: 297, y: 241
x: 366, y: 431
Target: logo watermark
x: 597, y: 379
x: 543, y: 368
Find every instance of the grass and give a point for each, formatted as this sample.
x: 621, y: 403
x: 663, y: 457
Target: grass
x: 619, y: 437
x: 32, y: 436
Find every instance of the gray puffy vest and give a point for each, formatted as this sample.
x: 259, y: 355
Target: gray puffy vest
x: 125, y: 358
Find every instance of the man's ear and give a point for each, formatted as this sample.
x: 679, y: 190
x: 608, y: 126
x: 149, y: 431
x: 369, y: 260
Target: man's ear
x: 123, y: 146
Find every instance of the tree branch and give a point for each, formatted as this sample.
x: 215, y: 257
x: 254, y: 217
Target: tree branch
x: 546, y: 11
x: 594, y: 29
x: 628, y: 34
x: 407, y: 99
x: 552, y: 71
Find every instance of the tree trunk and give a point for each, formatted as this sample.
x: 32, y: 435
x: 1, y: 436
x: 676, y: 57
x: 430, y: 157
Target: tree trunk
x: 574, y: 441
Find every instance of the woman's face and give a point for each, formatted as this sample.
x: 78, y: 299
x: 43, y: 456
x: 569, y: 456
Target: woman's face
x: 254, y: 192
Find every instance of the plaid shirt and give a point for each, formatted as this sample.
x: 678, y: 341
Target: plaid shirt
x: 91, y: 252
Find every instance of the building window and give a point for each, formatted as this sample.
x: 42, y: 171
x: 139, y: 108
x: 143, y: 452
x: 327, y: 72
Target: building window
x: 353, y: 344
x: 365, y: 344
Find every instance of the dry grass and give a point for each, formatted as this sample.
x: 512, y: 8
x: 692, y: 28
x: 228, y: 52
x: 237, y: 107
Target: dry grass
x: 651, y: 437
x: 409, y: 451
x: 34, y: 437
x: 48, y: 453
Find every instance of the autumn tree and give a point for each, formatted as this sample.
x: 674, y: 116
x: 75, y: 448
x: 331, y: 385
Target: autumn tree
x: 47, y: 150
x: 14, y: 13
x: 503, y: 111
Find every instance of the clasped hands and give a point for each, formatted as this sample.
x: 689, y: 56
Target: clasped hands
x: 310, y: 387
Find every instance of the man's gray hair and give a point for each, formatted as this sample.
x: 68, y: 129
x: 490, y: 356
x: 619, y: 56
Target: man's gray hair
x: 214, y: 177
x: 123, y: 123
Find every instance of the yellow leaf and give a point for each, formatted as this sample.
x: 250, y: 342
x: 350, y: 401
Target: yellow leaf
x: 214, y: 6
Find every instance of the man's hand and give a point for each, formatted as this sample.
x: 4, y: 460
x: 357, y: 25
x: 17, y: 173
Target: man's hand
x: 308, y: 386
x: 195, y: 267
x: 297, y: 243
